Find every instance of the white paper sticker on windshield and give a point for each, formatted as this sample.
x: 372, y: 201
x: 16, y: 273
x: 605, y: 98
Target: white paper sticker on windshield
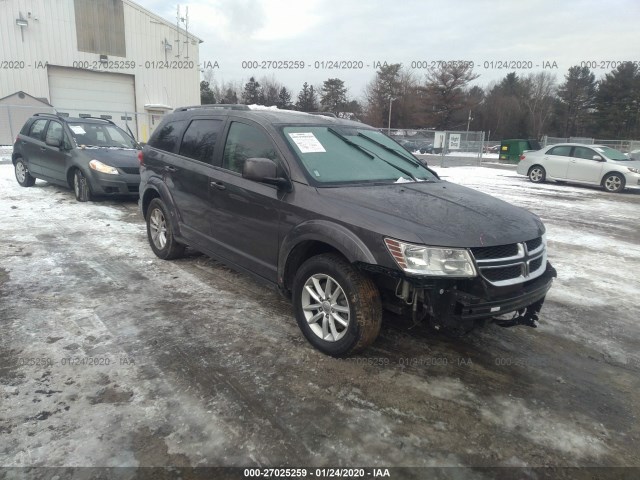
x: 307, y: 142
x: 77, y: 129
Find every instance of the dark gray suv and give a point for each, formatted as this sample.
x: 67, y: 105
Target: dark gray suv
x: 342, y: 220
x: 92, y: 156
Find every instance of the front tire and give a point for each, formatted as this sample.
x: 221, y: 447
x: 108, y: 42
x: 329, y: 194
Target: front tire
x: 337, y: 307
x: 537, y: 174
x: 613, y: 182
x: 23, y: 176
x: 160, y: 232
x: 81, y: 186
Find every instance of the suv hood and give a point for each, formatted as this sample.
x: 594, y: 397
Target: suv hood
x: 115, y: 157
x: 434, y: 213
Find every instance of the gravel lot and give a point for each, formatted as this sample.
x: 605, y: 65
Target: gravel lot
x: 112, y: 357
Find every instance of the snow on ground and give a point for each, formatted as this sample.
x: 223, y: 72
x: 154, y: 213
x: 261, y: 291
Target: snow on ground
x: 222, y: 375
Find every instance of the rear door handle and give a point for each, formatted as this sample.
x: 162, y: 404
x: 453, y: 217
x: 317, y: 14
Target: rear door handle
x: 171, y: 169
x: 218, y: 185
x: 43, y: 149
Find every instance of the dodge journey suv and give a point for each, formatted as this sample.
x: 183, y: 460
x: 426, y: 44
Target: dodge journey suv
x: 342, y: 220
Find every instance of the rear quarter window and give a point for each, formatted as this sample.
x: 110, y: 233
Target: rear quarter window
x: 167, y: 136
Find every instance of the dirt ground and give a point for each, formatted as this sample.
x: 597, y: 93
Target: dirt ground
x: 112, y: 357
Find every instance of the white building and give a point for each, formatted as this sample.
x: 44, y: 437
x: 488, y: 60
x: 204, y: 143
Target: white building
x: 109, y: 58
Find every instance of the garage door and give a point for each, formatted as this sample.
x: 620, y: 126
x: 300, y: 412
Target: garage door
x: 79, y: 92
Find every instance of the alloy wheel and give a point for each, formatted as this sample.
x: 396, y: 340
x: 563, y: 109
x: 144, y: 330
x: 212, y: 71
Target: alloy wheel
x: 325, y: 307
x: 158, y: 227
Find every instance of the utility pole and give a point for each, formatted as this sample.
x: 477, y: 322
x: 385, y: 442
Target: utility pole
x: 391, y: 99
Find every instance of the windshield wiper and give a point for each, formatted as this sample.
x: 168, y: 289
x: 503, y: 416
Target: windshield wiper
x: 368, y: 153
x: 353, y: 144
x: 392, y: 150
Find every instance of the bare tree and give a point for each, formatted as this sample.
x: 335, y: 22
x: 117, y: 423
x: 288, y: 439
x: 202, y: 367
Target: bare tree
x: 539, y: 90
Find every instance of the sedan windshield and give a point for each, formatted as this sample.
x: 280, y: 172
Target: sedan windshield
x: 612, y: 153
x: 339, y: 154
x: 100, y: 135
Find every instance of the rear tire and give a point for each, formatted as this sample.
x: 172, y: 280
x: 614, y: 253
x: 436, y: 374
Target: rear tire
x: 537, y: 174
x: 23, y: 176
x: 613, y: 182
x: 160, y: 232
x: 81, y: 187
x: 337, y: 307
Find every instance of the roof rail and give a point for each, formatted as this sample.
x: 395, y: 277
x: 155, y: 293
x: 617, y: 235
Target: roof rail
x: 215, y: 106
x: 324, y: 114
x: 66, y: 117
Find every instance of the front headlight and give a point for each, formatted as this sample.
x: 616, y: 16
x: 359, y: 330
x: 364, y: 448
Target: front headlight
x: 98, y: 166
x: 436, y: 261
x: 633, y: 170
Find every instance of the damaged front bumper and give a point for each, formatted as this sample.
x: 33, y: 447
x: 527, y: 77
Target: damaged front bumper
x: 453, y: 306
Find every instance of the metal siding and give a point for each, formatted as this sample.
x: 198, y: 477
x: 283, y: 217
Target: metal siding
x: 52, y: 39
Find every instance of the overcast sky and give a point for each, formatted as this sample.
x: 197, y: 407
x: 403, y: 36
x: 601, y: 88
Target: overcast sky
x: 565, y: 32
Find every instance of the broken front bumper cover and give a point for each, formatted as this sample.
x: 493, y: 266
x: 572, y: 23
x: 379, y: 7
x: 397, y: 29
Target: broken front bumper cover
x: 455, y: 306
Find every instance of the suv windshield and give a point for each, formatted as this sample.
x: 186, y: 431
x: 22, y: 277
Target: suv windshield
x: 339, y: 154
x: 611, y: 153
x: 100, y: 135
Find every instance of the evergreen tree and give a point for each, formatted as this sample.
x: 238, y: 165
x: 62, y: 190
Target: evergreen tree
x: 333, y: 96
x: 206, y: 94
x: 618, y: 103
x: 307, y: 99
x: 252, y: 93
x: 576, y: 97
x: 284, y: 99
x: 230, y: 96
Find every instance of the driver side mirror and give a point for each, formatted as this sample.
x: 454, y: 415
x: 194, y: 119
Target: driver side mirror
x: 264, y: 170
x: 597, y: 158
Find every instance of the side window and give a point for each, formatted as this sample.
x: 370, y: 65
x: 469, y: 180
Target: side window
x: 584, y: 152
x: 54, y: 131
x: 167, y: 137
x: 246, y: 141
x: 562, y: 150
x: 37, y: 129
x: 199, y: 140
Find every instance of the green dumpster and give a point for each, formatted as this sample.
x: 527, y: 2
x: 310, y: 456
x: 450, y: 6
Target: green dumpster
x: 510, y: 150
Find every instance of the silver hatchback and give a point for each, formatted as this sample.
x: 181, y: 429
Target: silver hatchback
x: 579, y: 163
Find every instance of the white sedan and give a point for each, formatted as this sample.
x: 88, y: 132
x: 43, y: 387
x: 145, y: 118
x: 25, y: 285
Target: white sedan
x: 589, y: 164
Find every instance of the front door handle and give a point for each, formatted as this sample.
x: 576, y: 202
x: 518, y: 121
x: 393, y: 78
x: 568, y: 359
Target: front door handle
x: 171, y: 169
x: 43, y: 149
x: 218, y: 185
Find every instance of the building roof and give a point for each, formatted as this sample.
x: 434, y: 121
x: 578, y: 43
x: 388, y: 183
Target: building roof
x: 41, y: 100
x: 162, y: 20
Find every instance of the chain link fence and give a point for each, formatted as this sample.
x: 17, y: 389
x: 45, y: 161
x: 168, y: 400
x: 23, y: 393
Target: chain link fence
x: 625, y: 146
x: 445, y: 147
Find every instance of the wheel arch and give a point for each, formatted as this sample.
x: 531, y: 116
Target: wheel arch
x: 314, y: 238
x: 155, y: 188
x: 611, y: 172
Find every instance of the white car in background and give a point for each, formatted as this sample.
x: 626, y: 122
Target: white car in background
x: 579, y: 163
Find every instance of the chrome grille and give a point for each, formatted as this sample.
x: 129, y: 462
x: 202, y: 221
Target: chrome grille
x: 511, y: 264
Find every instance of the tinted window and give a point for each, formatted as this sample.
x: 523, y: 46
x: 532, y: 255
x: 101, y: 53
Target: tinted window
x: 245, y: 141
x: 199, y: 140
x: 583, y: 152
x: 54, y: 131
x: 167, y: 137
x: 37, y: 129
x: 562, y: 150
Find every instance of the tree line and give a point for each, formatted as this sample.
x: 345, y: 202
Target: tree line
x: 517, y: 106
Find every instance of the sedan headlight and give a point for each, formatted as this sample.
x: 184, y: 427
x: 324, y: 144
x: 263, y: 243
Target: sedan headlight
x: 436, y: 261
x: 98, y: 166
x: 633, y: 170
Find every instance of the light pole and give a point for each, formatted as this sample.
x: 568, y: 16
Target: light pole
x: 391, y: 99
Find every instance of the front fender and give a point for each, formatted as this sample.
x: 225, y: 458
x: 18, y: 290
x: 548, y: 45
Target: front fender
x: 333, y: 234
